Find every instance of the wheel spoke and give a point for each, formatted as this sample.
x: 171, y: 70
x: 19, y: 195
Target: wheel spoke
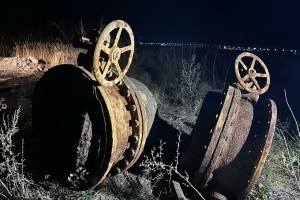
x: 106, y: 49
x: 261, y: 75
x: 256, y: 83
x: 118, y: 36
x: 244, y: 66
x: 248, y: 85
x: 127, y: 48
x: 118, y: 68
x: 253, y: 63
x: 107, y: 67
x: 245, y: 77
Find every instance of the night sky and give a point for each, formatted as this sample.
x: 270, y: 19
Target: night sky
x: 272, y: 23
x: 261, y: 23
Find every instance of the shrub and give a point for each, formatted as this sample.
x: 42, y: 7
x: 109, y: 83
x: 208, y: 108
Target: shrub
x: 156, y: 170
x: 15, y: 183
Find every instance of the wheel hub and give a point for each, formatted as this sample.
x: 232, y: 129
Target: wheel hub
x: 116, y: 54
x: 252, y: 72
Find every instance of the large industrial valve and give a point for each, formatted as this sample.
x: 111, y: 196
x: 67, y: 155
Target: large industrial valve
x: 229, y: 143
x: 93, y: 121
x: 90, y: 125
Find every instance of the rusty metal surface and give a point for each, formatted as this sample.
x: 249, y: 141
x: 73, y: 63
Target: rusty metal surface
x: 116, y: 124
x: 148, y: 109
x: 223, y: 176
x: 265, y: 129
x: 59, y: 108
x: 235, y: 179
x: 229, y: 164
x: 254, y: 78
x: 223, y: 146
x: 104, y: 65
x: 147, y: 99
x: 119, y: 118
x: 142, y: 107
x: 238, y: 136
x: 112, y: 124
x: 206, y: 133
x: 136, y: 123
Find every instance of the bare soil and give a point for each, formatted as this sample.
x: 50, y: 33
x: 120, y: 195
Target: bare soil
x: 15, y: 69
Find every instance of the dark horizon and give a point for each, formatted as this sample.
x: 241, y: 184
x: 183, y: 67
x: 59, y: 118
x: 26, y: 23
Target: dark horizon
x: 271, y: 24
x: 235, y: 22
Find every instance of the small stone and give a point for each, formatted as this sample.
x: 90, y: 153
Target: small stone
x: 33, y: 60
x: 40, y: 68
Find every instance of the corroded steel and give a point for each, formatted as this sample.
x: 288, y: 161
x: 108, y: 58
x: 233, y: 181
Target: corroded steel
x: 237, y: 177
x: 112, y: 124
x: 143, y: 110
x: 265, y: 128
x: 139, y: 121
x: 228, y: 165
x: 206, y: 133
x: 247, y: 76
x: 103, y: 66
x: 221, y: 145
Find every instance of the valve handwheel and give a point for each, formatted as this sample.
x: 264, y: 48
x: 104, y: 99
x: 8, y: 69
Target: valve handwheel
x: 103, y: 66
x: 255, y: 82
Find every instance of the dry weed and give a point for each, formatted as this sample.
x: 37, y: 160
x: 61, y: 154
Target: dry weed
x: 50, y: 53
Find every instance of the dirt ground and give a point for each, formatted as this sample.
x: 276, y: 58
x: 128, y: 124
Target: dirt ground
x: 18, y: 77
x: 15, y: 69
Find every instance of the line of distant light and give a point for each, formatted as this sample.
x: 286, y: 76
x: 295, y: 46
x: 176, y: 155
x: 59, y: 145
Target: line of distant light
x: 224, y: 47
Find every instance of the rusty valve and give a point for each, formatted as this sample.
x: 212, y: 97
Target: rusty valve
x: 229, y: 144
x: 252, y: 78
x: 108, y: 54
x: 87, y: 130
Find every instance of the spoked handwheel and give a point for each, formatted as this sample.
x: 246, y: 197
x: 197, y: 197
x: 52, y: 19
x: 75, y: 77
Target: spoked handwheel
x: 254, y: 78
x: 108, y: 53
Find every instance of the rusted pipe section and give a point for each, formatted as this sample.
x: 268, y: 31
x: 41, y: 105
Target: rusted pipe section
x: 236, y: 178
x: 87, y: 131
x: 229, y: 144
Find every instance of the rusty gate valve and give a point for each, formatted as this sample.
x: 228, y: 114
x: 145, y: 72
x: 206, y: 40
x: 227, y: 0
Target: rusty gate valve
x: 229, y: 144
x: 104, y: 130
x: 253, y: 78
x: 112, y: 57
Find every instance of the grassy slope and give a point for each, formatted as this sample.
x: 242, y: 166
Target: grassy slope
x: 165, y: 73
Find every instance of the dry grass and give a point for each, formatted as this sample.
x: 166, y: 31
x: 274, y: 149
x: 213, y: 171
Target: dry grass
x: 156, y: 170
x: 281, y: 172
x: 51, y: 53
x: 182, y: 97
